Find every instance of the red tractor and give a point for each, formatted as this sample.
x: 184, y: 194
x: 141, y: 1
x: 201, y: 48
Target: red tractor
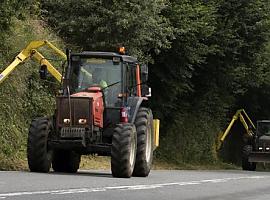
x: 103, y: 110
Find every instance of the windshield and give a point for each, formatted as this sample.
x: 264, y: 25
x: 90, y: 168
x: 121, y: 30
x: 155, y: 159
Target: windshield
x: 264, y: 128
x: 87, y: 72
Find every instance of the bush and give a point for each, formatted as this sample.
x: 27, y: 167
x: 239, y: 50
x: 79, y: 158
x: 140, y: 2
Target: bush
x: 23, y: 95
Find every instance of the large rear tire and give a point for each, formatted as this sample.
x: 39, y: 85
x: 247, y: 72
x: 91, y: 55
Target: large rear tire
x: 38, y: 154
x: 66, y: 161
x: 246, y: 165
x: 123, y: 152
x: 145, y: 142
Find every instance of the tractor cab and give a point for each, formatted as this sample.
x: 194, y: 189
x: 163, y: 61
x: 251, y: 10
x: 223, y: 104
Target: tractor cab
x: 87, y: 71
x: 101, y: 89
x: 118, y: 76
x: 263, y: 135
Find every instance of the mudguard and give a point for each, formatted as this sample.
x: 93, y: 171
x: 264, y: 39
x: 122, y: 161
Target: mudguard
x: 134, y: 103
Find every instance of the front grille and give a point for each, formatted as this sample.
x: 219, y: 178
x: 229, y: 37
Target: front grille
x: 70, y: 132
x: 78, y: 108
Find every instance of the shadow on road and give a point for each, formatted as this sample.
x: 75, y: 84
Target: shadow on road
x: 84, y: 173
x: 80, y: 173
x: 96, y: 174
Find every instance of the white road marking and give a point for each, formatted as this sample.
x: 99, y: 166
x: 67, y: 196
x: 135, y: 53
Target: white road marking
x: 129, y: 187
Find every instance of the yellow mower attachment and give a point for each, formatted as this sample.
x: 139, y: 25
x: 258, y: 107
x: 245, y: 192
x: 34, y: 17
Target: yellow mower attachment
x: 31, y: 52
x: 245, y: 120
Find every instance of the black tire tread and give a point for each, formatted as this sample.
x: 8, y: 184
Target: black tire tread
x: 120, y: 152
x: 37, y: 154
x: 142, y: 167
x: 246, y: 165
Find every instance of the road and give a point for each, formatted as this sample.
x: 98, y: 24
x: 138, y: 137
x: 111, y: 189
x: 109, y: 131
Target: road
x: 167, y: 185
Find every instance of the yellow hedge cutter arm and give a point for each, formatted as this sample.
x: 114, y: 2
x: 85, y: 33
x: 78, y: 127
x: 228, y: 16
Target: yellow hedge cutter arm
x: 31, y: 52
x: 244, y: 119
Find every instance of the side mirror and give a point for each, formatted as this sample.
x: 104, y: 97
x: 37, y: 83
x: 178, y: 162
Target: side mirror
x: 144, y: 73
x: 43, y: 72
x: 149, y: 92
x: 146, y: 91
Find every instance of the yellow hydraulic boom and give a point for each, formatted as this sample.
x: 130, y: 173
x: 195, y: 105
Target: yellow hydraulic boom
x: 244, y: 119
x: 31, y: 52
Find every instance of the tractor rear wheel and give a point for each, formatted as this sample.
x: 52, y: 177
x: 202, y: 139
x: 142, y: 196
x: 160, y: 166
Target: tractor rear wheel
x: 38, y: 153
x: 145, y: 142
x: 246, y: 165
x: 65, y: 161
x: 123, y: 152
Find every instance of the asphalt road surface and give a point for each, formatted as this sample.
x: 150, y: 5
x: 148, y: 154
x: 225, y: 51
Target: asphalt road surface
x: 169, y: 185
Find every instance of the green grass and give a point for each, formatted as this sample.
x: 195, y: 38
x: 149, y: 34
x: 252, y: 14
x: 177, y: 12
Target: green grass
x: 103, y: 163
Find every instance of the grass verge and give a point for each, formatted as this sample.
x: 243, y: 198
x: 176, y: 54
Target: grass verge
x: 103, y: 163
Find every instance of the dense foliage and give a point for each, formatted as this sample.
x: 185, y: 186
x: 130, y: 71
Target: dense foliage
x: 23, y: 96
x: 104, y: 25
x: 207, y: 58
x: 228, y: 67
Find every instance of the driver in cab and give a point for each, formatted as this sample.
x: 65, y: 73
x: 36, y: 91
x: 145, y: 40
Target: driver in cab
x: 87, y: 78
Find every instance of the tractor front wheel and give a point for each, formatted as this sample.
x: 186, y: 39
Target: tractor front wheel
x: 123, y: 152
x: 38, y: 154
x: 246, y: 165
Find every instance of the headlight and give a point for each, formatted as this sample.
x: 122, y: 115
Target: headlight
x: 66, y: 121
x: 82, y: 121
x: 267, y: 148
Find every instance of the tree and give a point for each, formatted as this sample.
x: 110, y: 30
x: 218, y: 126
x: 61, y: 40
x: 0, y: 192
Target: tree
x: 242, y: 32
x: 208, y: 56
x: 194, y: 23
x: 218, y: 63
x: 104, y: 25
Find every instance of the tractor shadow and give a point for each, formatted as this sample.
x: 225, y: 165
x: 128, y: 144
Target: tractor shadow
x: 85, y: 173
x: 94, y: 173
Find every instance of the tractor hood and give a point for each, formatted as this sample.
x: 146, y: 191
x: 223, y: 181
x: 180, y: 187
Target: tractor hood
x: 82, y: 109
x: 74, y: 112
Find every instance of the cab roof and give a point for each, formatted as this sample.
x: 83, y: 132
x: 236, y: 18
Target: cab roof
x: 263, y: 121
x: 124, y: 58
